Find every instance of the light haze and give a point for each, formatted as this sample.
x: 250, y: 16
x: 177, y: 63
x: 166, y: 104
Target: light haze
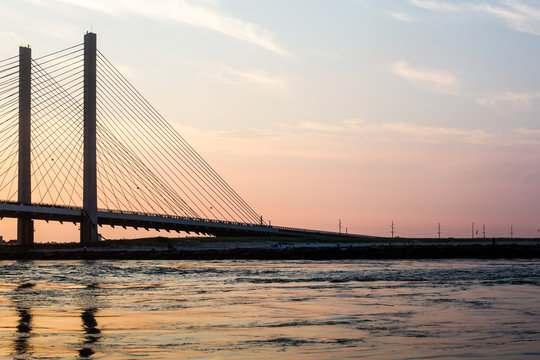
x: 417, y: 112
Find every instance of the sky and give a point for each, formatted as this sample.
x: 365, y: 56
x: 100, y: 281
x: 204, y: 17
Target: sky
x: 415, y: 112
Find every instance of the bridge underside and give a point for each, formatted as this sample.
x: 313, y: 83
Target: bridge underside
x: 133, y: 220
x: 157, y: 222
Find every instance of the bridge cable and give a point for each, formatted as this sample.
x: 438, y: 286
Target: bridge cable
x: 10, y: 58
x: 54, y: 148
x: 133, y: 169
x: 255, y: 217
x: 58, y: 52
x: 118, y: 113
x: 138, y: 162
x: 123, y: 112
x: 55, y: 97
x: 130, y: 107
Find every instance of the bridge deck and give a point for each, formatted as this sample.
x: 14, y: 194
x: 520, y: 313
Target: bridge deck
x: 157, y: 221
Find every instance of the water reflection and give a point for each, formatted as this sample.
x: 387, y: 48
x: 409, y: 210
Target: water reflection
x: 301, y: 310
x: 89, y: 323
x: 21, y: 345
x: 91, y: 330
x: 28, y: 302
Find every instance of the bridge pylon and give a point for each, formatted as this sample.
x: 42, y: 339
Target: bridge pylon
x: 149, y: 176
x: 89, y: 221
x: 25, y: 226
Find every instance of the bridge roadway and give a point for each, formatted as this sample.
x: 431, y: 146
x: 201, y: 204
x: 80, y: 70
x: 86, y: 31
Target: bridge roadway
x: 159, y: 222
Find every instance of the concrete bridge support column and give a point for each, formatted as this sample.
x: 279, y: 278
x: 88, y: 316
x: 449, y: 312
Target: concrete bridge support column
x: 89, y: 227
x: 25, y: 226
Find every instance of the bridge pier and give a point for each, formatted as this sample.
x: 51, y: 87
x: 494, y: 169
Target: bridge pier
x: 89, y: 229
x: 25, y: 226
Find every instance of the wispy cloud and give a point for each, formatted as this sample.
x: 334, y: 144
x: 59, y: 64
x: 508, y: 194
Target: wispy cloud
x: 515, y: 100
x: 320, y: 127
x: 205, y: 15
x: 402, y: 17
x: 350, y: 138
x: 403, y: 130
x: 417, y: 133
x: 515, y: 14
x: 41, y: 25
x: 436, y: 5
x: 435, y: 80
x: 527, y: 132
x: 258, y: 77
x: 360, y: 128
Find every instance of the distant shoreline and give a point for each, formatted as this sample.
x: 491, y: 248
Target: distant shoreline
x: 336, y: 252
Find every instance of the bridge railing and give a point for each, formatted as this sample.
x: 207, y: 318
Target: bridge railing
x: 42, y: 205
x: 316, y: 232
x: 282, y: 228
x: 167, y: 216
x: 214, y: 221
x: 124, y: 212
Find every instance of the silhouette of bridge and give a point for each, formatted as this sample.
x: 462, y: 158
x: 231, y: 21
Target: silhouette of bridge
x: 84, y: 146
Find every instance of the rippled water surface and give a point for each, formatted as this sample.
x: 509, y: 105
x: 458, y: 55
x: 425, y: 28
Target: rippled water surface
x: 270, y: 309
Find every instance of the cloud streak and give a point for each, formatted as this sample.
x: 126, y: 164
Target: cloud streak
x: 402, y: 17
x: 515, y: 14
x: 260, y: 78
x: 434, y: 80
x: 403, y: 130
x: 516, y: 100
x: 182, y: 11
x: 356, y: 139
x: 435, y: 5
x: 386, y: 131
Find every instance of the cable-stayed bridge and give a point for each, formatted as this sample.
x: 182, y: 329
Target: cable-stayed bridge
x: 78, y: 143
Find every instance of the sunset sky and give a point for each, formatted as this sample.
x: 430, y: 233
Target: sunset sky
x: 418, y: 112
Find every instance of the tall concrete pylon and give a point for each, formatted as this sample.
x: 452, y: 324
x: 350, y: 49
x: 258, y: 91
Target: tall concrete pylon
x: 25, y: 226
x: 89, y: 219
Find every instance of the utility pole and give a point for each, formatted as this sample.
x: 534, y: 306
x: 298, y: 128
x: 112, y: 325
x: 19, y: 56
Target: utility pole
x: 511, y: 231
x: 439, y: 230
x: 390, y: 240
x: 484, y: 230
x: 472, y: 231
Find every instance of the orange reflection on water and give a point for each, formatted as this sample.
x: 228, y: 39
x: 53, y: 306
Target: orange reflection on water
x: 300, y: 310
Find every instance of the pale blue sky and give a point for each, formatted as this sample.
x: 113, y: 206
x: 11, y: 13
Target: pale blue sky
x: 479, y: 59
x: 419, y: 111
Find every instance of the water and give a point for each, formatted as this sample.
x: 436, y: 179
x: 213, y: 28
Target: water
x: 270, y: 309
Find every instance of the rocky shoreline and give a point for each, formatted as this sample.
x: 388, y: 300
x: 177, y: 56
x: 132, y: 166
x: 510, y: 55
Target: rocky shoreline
x: 469, y: 251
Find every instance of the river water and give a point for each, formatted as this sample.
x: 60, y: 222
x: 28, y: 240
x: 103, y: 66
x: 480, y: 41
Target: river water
x: 270, y: 309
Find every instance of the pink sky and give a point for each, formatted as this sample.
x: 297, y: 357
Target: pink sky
x: 417, y: 112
